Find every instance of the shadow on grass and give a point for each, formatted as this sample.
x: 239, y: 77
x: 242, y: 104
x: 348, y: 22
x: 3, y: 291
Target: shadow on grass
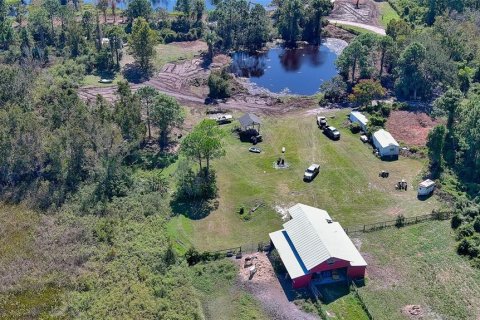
x: 194, y: 210
x: 332, y: 292
x: 134, y: 74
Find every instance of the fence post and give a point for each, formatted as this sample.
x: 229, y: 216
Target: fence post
x: 363, y: 228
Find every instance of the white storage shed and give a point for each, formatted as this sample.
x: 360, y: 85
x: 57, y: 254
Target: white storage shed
x: 358, y: 117
x: 386, y: 145
x: 425, y: 188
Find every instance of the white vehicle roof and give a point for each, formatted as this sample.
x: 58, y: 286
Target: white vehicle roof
x: 427, y: 183
x: 313, y: 167
x: 360, y: 117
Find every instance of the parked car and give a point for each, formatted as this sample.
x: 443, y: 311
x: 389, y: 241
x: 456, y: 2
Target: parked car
x: 332, y: 132
x: 255, y: 150
x: 321, y: 121
x: 311, y: 172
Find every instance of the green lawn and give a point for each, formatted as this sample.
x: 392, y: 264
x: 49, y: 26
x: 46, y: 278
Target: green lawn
x: 173, y: 53
x: 354, y: 29
x: 418, y: 265
x: 348, y: 186
x: 387, y: 13
x: 92, y: 80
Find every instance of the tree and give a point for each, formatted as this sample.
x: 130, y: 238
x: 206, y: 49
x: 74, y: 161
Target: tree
x: 143, y: 41
x: 258, y: 28
x: 52, y: 7
x: 435, y: 144
x: 204, y: 143
x: 147, y: 97
x: 289, y: 16
x: 127, y: 113
x: 386, y: 45
x: 411, y: 78
x: 351, y: 57
x: 102, y: 5
x: 218, y: 85
x: 87, y: 24
x: 139, y: 9
x: 211, y: 38
x: 115, y: 35
x: 367, y: 90
x: 334, y: 88
x: 166, y: 114
x: 317, y: 9
x: 448, y: 104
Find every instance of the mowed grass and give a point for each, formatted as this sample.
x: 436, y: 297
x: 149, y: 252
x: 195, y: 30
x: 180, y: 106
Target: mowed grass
x: 348, y: 186
x: 174, y: 53
x: 354, y: 29
x: 418, y: 265
x: 387, y: 13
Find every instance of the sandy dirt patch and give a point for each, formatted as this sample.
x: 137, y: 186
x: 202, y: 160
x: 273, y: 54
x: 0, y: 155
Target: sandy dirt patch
x: 346, y: 10
x: 265, y: 286
x: 411, y: 128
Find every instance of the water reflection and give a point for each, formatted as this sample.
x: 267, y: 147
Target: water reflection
x: 299, y: 71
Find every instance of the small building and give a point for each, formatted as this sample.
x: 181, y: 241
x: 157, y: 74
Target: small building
x: 358, y: 117
x: 316, y: 250
x: 386, y: 145
x: 250, y: 121
x: 425, y: 188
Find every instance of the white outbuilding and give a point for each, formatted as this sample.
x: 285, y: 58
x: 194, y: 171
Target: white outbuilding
x: 425, y: 188
x: 358, y: 117
x: 386, y: 145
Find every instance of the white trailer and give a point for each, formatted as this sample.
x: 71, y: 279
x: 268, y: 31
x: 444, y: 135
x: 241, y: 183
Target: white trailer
x: 386, y: 145
x: 425, y: 188
x: 358, y: 117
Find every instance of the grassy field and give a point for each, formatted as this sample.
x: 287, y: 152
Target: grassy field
x: 348, y: 186
x: 174, y: 53
x: 387, y: 13
x: 418, y: 265
x: 92, y: 80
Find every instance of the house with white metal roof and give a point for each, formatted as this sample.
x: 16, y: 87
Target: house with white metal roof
x: 386, y: 145
x: 315, y: 249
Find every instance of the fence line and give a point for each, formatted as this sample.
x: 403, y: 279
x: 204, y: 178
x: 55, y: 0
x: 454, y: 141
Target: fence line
x: 399, y: 222
x: 354, y: 287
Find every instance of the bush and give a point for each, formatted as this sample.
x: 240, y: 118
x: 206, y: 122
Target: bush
x: 456, y: 221
x: 219, y: 86
x: 334, y: 89
x: 355, y: 128
x: 476, y: 224
x: 400, y: 221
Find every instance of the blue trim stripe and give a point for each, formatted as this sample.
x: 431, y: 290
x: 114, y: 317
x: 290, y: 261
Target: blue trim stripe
x: 297, y: 256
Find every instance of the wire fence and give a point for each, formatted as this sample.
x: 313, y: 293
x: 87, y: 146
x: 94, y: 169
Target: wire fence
x: 399, y: 222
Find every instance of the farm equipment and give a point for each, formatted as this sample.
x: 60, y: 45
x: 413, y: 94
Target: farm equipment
x: 401, y: 185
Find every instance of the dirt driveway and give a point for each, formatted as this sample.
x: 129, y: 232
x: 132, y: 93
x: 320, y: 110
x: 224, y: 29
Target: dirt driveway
x: 265, y: 286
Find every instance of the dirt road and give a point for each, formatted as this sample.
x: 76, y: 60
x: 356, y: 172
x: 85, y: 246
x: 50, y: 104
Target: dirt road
x: 377, y: 30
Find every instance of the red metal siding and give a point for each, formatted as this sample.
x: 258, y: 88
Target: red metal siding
x: 356, y: 272
x: 302, y: 281
x: 326, y: 266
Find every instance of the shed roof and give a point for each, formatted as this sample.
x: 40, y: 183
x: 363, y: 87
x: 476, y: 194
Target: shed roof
x: 385, y: 139
x: 313, y: 238
x: 360, y: 117
x: 249, y: 119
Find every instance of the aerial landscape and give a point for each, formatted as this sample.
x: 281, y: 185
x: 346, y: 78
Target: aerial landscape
x: 235, y: 159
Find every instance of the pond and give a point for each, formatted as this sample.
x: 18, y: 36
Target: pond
x: 170, y: 4
x: 296, y: 71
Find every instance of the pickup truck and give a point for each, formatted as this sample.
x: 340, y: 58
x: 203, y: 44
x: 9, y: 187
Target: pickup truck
x: 321, y: 121
x: 311, y: 172
x: 332, y: 132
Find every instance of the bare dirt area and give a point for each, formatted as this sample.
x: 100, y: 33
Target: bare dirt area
x: 345, y: 10
x: 265, y: 286
x: 411, y: 128
x: 186, y: 81
x: 413, y: 311
x: 338, y: 33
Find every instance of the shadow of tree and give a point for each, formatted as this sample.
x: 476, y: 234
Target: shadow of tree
x: 194, y: 210
x: 134, y: 74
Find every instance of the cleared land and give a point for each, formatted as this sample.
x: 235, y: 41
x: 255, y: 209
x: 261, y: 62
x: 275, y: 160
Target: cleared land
x: 411, y: 128
x: 418, y: 266
x: 348, y: 185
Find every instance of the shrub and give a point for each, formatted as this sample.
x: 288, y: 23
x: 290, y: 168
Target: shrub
x: 355, y: 128
x: 400, y: 221
x: 219, y: 86
x: 456, y: 221
x: 334, y: 89
x: 476, y: 224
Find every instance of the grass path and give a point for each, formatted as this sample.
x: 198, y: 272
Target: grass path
x: 387, y: 13
x: 348, y: 186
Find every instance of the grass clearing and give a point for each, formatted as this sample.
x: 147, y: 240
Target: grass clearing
x: 348, y: 186
x: 221, y: 297
x: 174, y: 52
x: 354, y: 29
x: 387, y: 13
x: 418, y: 265
x: 92, y: 80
